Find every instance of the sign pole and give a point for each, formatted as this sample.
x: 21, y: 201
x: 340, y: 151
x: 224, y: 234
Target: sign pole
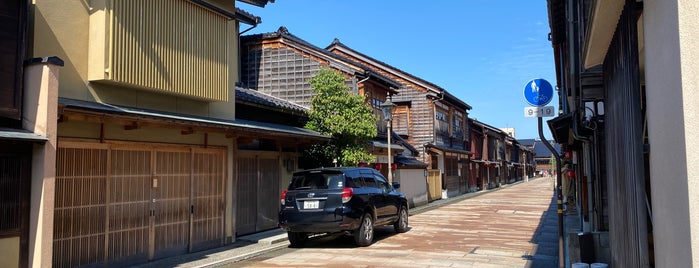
x: 559, y: 196
x: 538, y: 93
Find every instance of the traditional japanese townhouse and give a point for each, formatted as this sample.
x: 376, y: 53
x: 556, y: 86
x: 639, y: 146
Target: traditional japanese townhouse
x: 478, y: 164
x: 517, y: 159
x: 493, y: 156
x: 280, y: 64
x: 149, y: 154
x: 430, y: 118
x: 627, y: 74
x: 27, y: 142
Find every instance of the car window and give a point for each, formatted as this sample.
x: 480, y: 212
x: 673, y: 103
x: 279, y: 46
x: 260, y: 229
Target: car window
x: 369, y: 181
x: 317, y: 181
x: 385, y: 187
x: 355, y: 182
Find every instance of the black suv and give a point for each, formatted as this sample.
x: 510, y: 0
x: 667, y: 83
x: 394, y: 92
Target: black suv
x: 350, y: 200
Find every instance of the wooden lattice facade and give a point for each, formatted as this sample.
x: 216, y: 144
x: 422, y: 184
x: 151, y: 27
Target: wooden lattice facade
x: 134, y: 202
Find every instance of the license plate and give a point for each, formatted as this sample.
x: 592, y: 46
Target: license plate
x: 310, y: 204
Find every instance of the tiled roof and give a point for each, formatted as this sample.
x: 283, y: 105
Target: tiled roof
x: 247, y: 17
x: 238, y: 124
x: 541, y: 151
x: 259, y: 98
x: 283, y: 32
x: 337, y: 43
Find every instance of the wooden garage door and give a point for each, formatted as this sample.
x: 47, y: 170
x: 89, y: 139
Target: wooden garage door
x: 132, y: 203
x: 258, y: 193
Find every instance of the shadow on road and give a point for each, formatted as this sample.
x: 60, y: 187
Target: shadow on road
x: 546, y: 237
x: 340, y: 240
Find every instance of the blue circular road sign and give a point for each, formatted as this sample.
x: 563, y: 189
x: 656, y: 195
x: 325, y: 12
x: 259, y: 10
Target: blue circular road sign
x: 538, y: 92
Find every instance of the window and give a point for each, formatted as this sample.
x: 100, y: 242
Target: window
x: 441, y: 116
x: 451, y: 165
x: 14, y: 169
x: 317, y: 181
x: 369, y: 181
x: 383, y: 185
x: 376, y: 103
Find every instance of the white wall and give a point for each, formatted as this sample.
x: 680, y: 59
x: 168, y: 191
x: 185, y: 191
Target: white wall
x: 413, y: 184
x: 672, y: 78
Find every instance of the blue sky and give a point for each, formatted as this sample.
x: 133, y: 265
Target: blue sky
x: 481, y: 51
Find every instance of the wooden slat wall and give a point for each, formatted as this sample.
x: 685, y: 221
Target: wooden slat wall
x: 80, y: 206
x: 247, y: 195
x: 258, y: 192
x: 105, y: 212
x: 434, y: 183
x: 173, y: 170
x: 129, y: 204
x: 268, y: 194
x: 208, y: 197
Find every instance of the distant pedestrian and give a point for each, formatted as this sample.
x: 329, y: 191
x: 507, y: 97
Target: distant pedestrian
x: 566, y: 182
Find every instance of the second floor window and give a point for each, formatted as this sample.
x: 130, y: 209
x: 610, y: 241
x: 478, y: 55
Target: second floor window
x: 441, y: 123
x: 441, y: 116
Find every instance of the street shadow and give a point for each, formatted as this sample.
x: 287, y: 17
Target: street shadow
x: 341, y: 240
x: 545, y: 254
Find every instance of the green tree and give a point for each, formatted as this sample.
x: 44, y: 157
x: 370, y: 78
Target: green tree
x: 344, y: 116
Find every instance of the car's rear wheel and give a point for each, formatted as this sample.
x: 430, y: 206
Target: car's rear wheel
x: 296, y: 239
x: 401, y: 224
x: 365, y: 234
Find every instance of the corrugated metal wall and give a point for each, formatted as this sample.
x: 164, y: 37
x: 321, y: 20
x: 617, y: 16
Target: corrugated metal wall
x: 628, y: 230
x: 169, y: 46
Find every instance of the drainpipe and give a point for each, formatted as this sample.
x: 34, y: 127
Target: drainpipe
x: 258, y: 20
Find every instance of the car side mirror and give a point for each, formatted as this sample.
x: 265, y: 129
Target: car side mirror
x: 396, y: 185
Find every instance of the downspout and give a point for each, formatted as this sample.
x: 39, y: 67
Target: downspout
x: 258, y: 20
x: 574, y: 23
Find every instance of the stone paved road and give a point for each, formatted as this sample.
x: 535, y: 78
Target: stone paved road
x: 512, y: 227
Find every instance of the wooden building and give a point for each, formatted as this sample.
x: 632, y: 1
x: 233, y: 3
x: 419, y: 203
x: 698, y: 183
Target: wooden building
x: 280, y: 64
x: 627, y: 77
x: 142, y: 154
x: 428, y: 117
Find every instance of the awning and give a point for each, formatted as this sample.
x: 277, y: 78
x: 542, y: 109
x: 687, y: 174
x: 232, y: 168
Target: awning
x: 21, y: 135
x: 384, y: 144
x: 560, y: 128
x: 409, y: 162
x: 100, y: 109
x: 447, y: 149
x: 485, y: 162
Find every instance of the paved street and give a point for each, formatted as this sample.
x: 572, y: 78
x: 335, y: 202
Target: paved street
x: 512, y: 227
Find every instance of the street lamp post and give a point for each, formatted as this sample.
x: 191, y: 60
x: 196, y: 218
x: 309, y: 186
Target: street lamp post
x: 387, y: 108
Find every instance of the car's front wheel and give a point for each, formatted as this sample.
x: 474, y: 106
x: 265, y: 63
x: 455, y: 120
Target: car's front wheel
x: 365, y: 234
x: 401, y: 224
x: 296, y: 239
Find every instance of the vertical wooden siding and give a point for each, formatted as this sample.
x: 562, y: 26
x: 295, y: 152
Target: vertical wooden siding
x: 246, y: 215
x: 80, y: 206
x: 258, y: 192
x: 131, y: 203
x: 208, y: 194
x: 628, y: 220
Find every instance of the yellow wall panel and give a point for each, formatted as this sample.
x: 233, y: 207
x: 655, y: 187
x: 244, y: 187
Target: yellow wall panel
x: 9, y: 252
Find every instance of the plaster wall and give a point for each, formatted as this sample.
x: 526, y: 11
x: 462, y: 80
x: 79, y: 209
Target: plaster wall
x: 9, y: 252
x: 62, y: 28
x: 672, y: 77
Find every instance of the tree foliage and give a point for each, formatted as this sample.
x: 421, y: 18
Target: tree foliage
x: 344, y: 116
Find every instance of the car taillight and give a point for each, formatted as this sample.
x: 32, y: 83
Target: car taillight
x: 283, y: 197
x: 347, y: 194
